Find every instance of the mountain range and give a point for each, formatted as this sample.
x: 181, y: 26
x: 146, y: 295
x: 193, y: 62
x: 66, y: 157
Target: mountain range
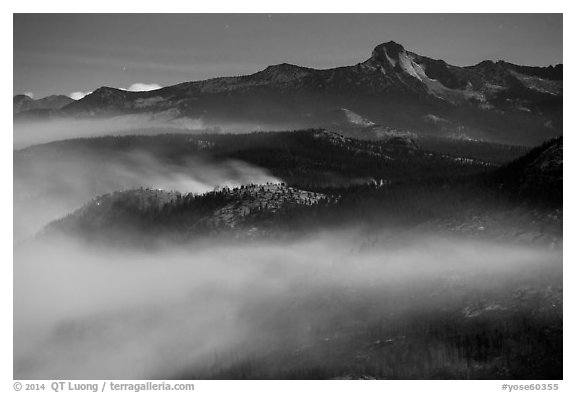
x: 24, y: 103
x: 394, y: 89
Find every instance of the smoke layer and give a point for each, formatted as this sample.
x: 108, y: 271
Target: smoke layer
x: 87, y: 313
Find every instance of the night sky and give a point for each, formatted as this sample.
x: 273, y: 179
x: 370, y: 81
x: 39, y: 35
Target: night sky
x: 62, y: 54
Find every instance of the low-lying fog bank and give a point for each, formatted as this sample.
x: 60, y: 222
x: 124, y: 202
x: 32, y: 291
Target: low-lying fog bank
x: 27, y: 133
x: 431, y: 308
x: 45, y: 192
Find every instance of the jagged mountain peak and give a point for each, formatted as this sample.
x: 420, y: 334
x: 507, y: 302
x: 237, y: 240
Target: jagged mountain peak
x: 389, y: 53
x: 391, y: 48
x: 391, y: 57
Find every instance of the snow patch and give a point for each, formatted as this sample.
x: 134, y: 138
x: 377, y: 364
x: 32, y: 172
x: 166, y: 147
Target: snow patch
x: 407, y: 65
x: 356, y: 119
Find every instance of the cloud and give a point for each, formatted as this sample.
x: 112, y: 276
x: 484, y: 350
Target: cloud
x: 78, y: 94
x: 143, y: 87
x: 29, y: 94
